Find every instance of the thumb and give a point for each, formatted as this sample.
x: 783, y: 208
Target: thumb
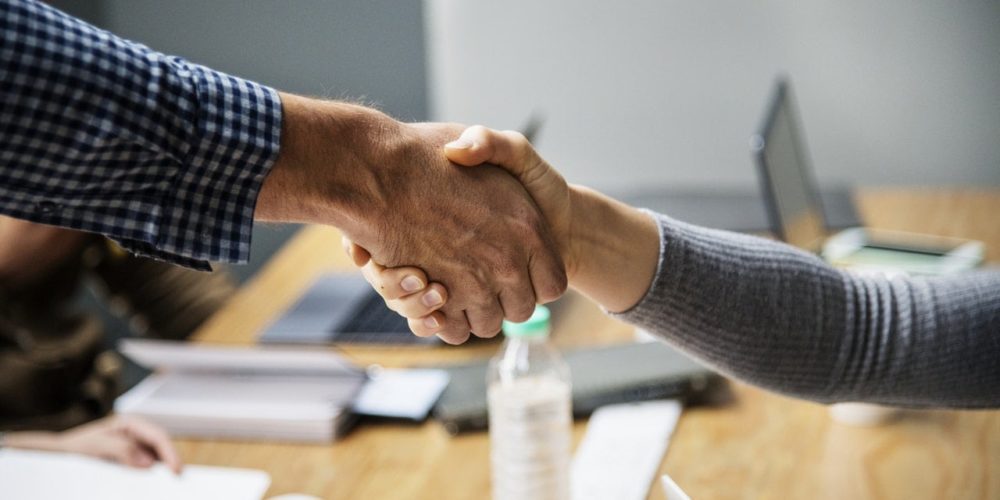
x: 511, y: 151
x: 358, y: 255
x: 472, y: 148
x: 507, y: 149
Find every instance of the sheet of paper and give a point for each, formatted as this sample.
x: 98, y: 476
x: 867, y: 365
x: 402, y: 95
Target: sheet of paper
x: 39, y: 475
x: 622, y: 450
x: 401, y: 393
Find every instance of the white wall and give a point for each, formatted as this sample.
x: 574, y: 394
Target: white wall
x: 666, y: 93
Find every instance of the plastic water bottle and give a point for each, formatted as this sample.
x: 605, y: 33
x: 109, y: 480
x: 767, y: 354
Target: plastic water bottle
x: 530, y: 414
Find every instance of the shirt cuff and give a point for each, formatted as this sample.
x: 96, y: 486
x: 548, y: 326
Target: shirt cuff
x: 208, y: 213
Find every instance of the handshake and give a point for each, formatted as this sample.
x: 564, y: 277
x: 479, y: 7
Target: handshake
x: 457, y: 228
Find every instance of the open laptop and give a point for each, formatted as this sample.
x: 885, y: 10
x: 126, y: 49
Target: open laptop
x: 796, y: 215
x: 341, y: 308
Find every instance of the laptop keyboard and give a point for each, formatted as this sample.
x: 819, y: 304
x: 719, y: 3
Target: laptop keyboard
x: 374, y: 323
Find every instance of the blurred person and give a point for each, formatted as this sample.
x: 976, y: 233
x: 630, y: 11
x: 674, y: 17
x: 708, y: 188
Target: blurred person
x: 755, y: 309
x: 130, y: 441
x: 175, y: 160
x: 57, y: 366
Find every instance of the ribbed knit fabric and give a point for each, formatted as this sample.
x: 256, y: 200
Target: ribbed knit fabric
x: 780, y: 318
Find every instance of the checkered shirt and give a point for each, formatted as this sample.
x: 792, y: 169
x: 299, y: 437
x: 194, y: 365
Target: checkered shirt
x: 104, y: 135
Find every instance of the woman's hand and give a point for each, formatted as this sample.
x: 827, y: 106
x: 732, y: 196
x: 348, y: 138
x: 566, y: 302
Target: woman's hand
x: 126, y: 440
x: 406, y: 291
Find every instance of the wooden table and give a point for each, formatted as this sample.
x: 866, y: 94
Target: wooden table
x: 759, y: 446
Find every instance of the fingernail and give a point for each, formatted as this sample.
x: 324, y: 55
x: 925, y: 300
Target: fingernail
x: 430, y: 322
x: 460, y: 144
x: 431, y: 298
x: 411, y: 284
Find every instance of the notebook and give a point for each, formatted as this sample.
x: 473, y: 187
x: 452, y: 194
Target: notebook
x: 268, y: 393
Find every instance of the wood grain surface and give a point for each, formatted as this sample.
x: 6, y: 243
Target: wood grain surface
x: 760, y: 445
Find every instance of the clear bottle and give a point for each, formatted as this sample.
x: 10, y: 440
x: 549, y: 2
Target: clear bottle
x: 530, y: 413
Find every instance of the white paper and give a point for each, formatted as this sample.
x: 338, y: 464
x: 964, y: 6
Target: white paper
x: 401, y: 393
x: 622, y: 450
x: 38, y: 475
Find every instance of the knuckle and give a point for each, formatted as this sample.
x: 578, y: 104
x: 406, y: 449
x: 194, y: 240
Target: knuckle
x: 520, y: 312
x: 552, y: 288
x: 516, y: 138
x: 478, y: 130
x: 508, y: 268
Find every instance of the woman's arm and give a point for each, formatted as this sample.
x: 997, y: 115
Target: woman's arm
x: 763, y: 311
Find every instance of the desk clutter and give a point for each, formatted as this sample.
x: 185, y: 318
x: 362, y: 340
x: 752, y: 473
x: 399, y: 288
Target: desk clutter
x: 297, y: 394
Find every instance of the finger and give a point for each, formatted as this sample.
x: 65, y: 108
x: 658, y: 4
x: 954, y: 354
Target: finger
x: 418, y: 305
x: 485, y: 319
x: 154, y: 438
x: 455, y: 329
x: 121, y: 449
x: 357, y: 254
x: 396, y: 282
x: 140, y: 456
x: 428, y: 325
x: 508, y: 149
x: 517, y: 301
x: 454, y: 338
x: 548, y: 274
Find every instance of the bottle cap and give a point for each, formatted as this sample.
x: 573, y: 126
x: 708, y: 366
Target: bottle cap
x: 536, y: 326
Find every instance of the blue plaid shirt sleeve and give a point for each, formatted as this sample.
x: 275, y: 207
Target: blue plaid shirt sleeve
x: 104, y: 135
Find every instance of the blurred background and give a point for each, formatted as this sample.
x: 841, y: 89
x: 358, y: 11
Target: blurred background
x: 650, y: 94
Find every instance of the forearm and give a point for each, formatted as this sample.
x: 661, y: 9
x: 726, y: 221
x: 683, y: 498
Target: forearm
x: 614, y: 249
x: 32, y: 440
x: 320, y: 175
x: 780, y: 318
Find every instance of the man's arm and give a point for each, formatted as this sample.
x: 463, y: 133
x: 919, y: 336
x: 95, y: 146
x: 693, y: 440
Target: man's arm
x: 104, y: 135
x: 170, y: 158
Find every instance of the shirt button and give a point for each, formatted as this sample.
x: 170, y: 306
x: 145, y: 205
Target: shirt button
x: 47, y: 207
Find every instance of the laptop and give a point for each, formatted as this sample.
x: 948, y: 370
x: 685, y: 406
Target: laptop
x: 341, y: 308
x: 796, y: 215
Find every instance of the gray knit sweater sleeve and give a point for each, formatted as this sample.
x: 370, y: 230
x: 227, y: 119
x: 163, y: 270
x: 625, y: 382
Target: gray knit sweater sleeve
x: 782, y: 319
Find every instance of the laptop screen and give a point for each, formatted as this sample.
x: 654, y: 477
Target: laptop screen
x: 793, y: 206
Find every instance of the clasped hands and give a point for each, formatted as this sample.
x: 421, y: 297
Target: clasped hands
x: 427, y: 305
x: 457, y: 228
x: 610, y: 250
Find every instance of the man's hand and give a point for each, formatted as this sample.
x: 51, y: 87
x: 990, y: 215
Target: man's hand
x: 389, y: 187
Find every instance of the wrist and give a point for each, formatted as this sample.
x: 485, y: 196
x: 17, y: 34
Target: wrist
x: 615, y: 249
x: 32, y: 440
x: 324, y: 171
